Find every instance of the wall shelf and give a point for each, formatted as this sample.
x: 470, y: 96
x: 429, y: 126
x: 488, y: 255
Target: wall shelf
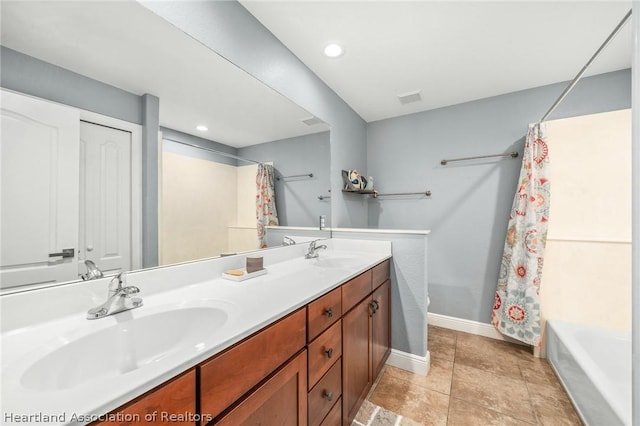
x: 362, y: 191
x: 376, y: 194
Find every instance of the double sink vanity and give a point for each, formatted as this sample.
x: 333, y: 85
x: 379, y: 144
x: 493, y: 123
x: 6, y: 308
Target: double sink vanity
x: 301, y: 344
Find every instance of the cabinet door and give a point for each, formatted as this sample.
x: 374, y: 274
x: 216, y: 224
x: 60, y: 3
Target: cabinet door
x: 281, y: 400
x: 356, y: 359
x: 380, y: 327
x: 171, y: 403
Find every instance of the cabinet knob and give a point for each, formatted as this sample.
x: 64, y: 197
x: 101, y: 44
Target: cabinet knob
x: 328, y: 395
x: 374, y: 306
x: 329, y: 352
x: 329, y: 312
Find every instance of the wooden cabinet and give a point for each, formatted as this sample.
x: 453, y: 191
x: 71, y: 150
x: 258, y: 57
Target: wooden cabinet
x: 325, y: 357
x: 315, y: 366
x: 323, y: 312
x: 281, y: 400
x: 173, y: 402
x: 365, y: 336
x: 229, y: 375
x: 356, y: 357
x: 325, y: 394
x: 334, y: 418
x: 353, y: 291
x: 324, y: 352
x: 380, y: 327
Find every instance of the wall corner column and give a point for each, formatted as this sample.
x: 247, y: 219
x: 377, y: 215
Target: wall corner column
x: 150, y: 179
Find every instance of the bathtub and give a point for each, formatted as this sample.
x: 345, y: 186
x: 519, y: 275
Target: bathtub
x: 594, y: 366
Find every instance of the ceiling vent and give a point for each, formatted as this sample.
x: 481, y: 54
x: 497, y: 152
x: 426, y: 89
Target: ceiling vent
x: 410, y: 97
x: 312, y: 121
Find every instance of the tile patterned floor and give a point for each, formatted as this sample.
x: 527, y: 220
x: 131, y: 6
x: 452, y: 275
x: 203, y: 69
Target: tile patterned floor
x: 473, y: 380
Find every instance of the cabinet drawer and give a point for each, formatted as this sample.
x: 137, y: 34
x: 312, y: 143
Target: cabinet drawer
x: 170, y: 402
x: 324, y: 351
x: 231, y: 374
x: 381, y: 273
x: 323, y: 396
x: 334, y: 418
x: 355, y: 290
x: 323, y: 312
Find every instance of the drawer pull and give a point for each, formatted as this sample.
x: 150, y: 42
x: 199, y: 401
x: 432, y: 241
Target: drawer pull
x: 329, y: 312
x: 329, y: 352
x: 328, y: 395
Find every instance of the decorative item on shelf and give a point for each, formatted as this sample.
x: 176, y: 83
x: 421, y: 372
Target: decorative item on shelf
x: 369, y: 185
x: 353, y: 181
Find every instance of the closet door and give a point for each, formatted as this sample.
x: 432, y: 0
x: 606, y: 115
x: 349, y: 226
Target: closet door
x: 105, y: 198
x: 39, y: 160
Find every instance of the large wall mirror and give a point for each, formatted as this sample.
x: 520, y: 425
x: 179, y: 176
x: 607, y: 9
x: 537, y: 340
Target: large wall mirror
x: 207, y: 178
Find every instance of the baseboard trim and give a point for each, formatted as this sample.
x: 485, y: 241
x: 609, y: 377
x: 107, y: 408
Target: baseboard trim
x: 409, y: 362
x: 468, y: 326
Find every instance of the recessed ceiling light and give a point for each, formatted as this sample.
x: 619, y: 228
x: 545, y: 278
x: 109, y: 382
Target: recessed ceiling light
x: 333, y: 50
x: 202, y: 128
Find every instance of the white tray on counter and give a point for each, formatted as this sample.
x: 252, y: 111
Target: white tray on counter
x: 245, y: 276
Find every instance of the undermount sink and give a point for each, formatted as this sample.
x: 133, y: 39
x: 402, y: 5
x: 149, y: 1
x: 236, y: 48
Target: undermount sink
x: 131, y: 344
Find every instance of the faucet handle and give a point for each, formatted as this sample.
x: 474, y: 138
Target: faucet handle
x: 129, y: 290
x: 115, y: 285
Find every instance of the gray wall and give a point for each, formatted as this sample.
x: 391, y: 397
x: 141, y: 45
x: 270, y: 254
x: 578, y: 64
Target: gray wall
x: 32, y: 76
x: 297, y: 198
x: 471, y: 200
x: 231, y: 31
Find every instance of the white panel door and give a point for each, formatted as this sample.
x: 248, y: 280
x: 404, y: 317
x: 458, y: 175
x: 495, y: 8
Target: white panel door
x: 105, y: 199
x: 39, y: 160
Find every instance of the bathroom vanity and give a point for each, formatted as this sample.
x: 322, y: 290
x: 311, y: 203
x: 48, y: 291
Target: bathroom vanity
x: 299, y: 345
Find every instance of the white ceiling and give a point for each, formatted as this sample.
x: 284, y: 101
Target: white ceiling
x: 452, y: 51
x: 124, y: 44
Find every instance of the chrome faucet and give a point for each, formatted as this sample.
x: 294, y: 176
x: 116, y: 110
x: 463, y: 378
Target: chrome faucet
x: 118, y: 300
x: 288, y: 241
x: 93, y: 272
x: 312, y: 251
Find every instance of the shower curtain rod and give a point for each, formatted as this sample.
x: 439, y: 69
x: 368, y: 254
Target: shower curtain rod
x: 224, y: 154
x: 577, y: 78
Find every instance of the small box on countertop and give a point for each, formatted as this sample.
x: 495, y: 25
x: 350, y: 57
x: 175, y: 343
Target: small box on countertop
x: 254, y: 264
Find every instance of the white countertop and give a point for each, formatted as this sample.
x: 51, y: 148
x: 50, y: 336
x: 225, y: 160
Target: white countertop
x: 291, y: 282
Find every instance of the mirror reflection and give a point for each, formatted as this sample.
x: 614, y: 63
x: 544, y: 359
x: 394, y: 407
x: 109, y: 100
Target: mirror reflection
x: 217, y: 126
x: 293, y: 173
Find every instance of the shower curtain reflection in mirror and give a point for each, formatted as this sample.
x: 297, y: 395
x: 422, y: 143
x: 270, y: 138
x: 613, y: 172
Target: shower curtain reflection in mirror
x: 266, y: 212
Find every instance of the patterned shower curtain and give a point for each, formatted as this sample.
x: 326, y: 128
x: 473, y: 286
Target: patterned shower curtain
x: 516, y: 311
x: 266, y: 213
